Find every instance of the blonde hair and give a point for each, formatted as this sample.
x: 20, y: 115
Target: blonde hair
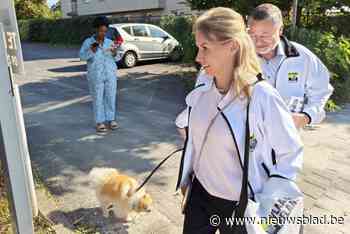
x: 221, y: 24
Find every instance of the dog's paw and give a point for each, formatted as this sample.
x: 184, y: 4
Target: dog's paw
x: 105, y: 214
x: 129, y: 219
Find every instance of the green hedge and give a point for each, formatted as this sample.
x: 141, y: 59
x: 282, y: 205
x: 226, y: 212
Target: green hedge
x: 334, y: 52
x: 181, y: 29
x: 62, y: 31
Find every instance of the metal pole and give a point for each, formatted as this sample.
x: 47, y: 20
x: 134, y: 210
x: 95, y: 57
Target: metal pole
x: 295, y: 13
x: 294, y: 18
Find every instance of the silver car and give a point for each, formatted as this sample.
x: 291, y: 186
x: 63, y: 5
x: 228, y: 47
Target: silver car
x: 145, y: 42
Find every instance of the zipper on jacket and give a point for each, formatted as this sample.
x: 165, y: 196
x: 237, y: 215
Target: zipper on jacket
x: 237, y: 149
x: 290, y: 51
x: 278, y: 70
x: 184, y: 150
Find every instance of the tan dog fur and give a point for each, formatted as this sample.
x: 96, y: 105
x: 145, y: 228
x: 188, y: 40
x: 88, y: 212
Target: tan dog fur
x: 118, y: 190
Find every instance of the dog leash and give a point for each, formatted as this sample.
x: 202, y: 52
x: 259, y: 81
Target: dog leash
x: 156, y: 168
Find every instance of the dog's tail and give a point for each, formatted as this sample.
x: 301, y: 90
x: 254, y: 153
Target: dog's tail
x: 98, y: 176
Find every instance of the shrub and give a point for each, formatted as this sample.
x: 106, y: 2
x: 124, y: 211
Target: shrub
x: 61, y: 31
x: 334, y: 53
x: 23, y: 27
x: 181, y: 29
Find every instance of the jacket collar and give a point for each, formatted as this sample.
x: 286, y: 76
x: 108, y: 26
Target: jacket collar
x: 204, y: 84
x: 289, y: 49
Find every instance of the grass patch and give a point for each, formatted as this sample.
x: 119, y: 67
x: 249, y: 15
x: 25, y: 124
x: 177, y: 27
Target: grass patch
x: 5, y: 220
x: 85, y: 229
x: 41, y: 224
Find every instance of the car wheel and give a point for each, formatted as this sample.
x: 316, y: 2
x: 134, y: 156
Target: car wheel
x: 176, y: 55
x: 129, y: 59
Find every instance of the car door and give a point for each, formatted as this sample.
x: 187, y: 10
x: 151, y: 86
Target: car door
x: 142, y: 40
x: 161, y: 41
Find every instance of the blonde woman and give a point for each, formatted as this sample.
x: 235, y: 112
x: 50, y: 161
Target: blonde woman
x: 216, y: 125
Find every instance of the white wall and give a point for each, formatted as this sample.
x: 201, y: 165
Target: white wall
x: 65, y: 7
x: 92, y: 7
x: 174, y: 5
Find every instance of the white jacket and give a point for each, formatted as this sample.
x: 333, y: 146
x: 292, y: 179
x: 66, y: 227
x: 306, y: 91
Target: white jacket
x: 303, y: 75
x: 270, y: 123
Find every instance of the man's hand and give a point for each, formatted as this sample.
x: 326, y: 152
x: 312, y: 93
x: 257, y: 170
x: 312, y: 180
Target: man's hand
x: 300, y: 120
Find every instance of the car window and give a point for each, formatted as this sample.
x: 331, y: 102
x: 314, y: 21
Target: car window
x: 156, y: 32
x: 127, y: 29
x: 140, y: 31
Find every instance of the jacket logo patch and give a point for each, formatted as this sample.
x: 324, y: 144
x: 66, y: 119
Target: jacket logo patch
x: 252, y: 143
x: 293, y: 76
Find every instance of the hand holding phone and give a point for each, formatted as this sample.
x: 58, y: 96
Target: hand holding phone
x: 94, y: 47
x: 114, y: 48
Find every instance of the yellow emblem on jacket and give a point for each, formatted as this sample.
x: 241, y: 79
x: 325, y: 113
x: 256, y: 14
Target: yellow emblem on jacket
x: 293, y: 76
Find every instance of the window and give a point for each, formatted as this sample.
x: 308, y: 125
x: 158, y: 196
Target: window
x: 156, y: 32
x: 140, y: 31
x: 74, y: 6
x: 127, y: 29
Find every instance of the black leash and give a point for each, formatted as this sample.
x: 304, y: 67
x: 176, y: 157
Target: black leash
x: 156, y: 168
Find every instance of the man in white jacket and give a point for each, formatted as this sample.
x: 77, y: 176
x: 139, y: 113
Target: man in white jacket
x: 299, y: 76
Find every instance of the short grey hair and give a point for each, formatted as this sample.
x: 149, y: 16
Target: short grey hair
x: 267, y: 11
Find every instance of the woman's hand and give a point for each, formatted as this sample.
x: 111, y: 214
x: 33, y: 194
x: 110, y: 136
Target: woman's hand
x: 114, y: 50
x: 93, y: 48
x: 183, y: 190
x: 182, y: 133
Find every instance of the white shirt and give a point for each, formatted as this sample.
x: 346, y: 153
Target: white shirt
x: 217, y: 168
x: 270, y: 67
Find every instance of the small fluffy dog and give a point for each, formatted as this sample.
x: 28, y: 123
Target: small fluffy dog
x: 118, y: 190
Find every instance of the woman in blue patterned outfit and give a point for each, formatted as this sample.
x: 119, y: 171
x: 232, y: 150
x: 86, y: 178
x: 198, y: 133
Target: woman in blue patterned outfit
x: 100, y: 52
